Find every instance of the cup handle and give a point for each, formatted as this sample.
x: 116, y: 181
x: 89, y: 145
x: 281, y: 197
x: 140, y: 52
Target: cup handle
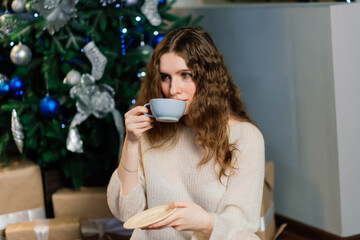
x: 146, y: 114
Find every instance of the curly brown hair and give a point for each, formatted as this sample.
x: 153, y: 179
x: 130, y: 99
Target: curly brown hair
x: 216, y: 97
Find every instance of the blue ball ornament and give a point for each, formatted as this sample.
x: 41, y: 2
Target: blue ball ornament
x: 162, y: 3
x: 4, y: 88
x: 17, y: 87
x: 49, y: 106
x: 158, y: 38
x: 17, y: 84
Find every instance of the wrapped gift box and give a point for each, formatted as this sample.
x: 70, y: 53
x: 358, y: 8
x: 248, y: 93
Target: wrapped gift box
x: 85, y: 203
x: 268, y: 229
x: 89, y: 204
x: 54, y: 229
x: 106, y: 228
x: 21, y: 197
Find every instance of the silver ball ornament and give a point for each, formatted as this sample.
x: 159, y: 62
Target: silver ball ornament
x: 18, y: 6
x: 131, y: 3
x: 72, y: 78
x: 20, y: 54
x: 146, y: 51
x: 3, y: 78
x: 7, y: 24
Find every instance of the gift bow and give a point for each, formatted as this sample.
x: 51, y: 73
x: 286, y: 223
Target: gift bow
x: 41, y: 229
x: 21, y: 216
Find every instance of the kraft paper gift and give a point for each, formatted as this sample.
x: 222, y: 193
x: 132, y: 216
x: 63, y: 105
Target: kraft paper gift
x: 89, y: 204
x: 45, y: 229
x: 84, y: 203
x: 22, y: 197
x: 268, y: 229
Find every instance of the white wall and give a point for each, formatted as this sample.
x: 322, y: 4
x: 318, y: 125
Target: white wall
x: 286, y: 59
x: 346, y: 52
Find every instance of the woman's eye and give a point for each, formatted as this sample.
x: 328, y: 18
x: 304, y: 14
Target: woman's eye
x: 186, y: 75
x: 165, y: 77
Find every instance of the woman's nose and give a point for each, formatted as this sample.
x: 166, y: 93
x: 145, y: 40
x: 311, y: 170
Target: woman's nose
x: 174, y: 87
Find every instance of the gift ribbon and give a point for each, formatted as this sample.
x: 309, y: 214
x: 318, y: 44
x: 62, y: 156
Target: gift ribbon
x: 41, y: 229
x: 101, y: 226
x: 265, y: 220
x: 21, y: 216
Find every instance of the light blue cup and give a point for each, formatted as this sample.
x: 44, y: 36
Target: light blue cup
x: 166, y: 110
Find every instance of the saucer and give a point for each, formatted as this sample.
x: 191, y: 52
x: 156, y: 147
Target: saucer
x: 148, y: 217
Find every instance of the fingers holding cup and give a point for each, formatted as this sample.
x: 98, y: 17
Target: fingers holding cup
x: 136, y: 122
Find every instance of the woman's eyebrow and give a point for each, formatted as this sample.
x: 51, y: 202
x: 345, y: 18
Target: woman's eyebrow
x: 179, y: 71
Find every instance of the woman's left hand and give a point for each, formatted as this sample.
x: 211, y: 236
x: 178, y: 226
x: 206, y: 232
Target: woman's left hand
x: 187, y: 217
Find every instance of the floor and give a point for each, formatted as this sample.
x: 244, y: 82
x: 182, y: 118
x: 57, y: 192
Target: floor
x: 287, y: 235
x: 299, y: 231
x: 293, y: 231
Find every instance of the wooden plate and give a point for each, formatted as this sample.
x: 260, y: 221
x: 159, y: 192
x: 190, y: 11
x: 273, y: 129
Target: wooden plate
x: 148, y: 217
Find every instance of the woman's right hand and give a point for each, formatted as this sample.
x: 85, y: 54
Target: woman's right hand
x: 136, y: 123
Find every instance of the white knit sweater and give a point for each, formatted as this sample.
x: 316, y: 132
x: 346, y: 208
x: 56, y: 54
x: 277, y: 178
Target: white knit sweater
x: 173, y: 174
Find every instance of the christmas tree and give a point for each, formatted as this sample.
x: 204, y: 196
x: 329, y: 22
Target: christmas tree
x: 69, y: 71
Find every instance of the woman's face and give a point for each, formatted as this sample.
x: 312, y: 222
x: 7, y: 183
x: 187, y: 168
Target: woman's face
x: 176, y: 79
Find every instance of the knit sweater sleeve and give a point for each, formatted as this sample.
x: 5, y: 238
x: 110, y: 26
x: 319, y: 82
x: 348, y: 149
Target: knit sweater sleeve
x: 124, y: 207
x: 238, y: 213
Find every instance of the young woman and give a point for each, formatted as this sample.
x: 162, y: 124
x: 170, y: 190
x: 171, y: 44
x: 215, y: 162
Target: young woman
x: 209, y: 165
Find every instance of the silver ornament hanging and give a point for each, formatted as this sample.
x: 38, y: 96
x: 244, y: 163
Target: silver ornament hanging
x: 130, y: 3
x: 106, y: 2
x: 91, y: 99
x: 123, y: 3
x: 56, y: 12
x: 72, y: 78
x: 18, y: 6
x: 97, y: 59
x: 73, y: 141
x: 145, y: 50
x: 50, y: 4
x: 20, y: 54
x: 8, y: 23
x: 17, y: 131
x: 3, y: 78
x: 150, y: 10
